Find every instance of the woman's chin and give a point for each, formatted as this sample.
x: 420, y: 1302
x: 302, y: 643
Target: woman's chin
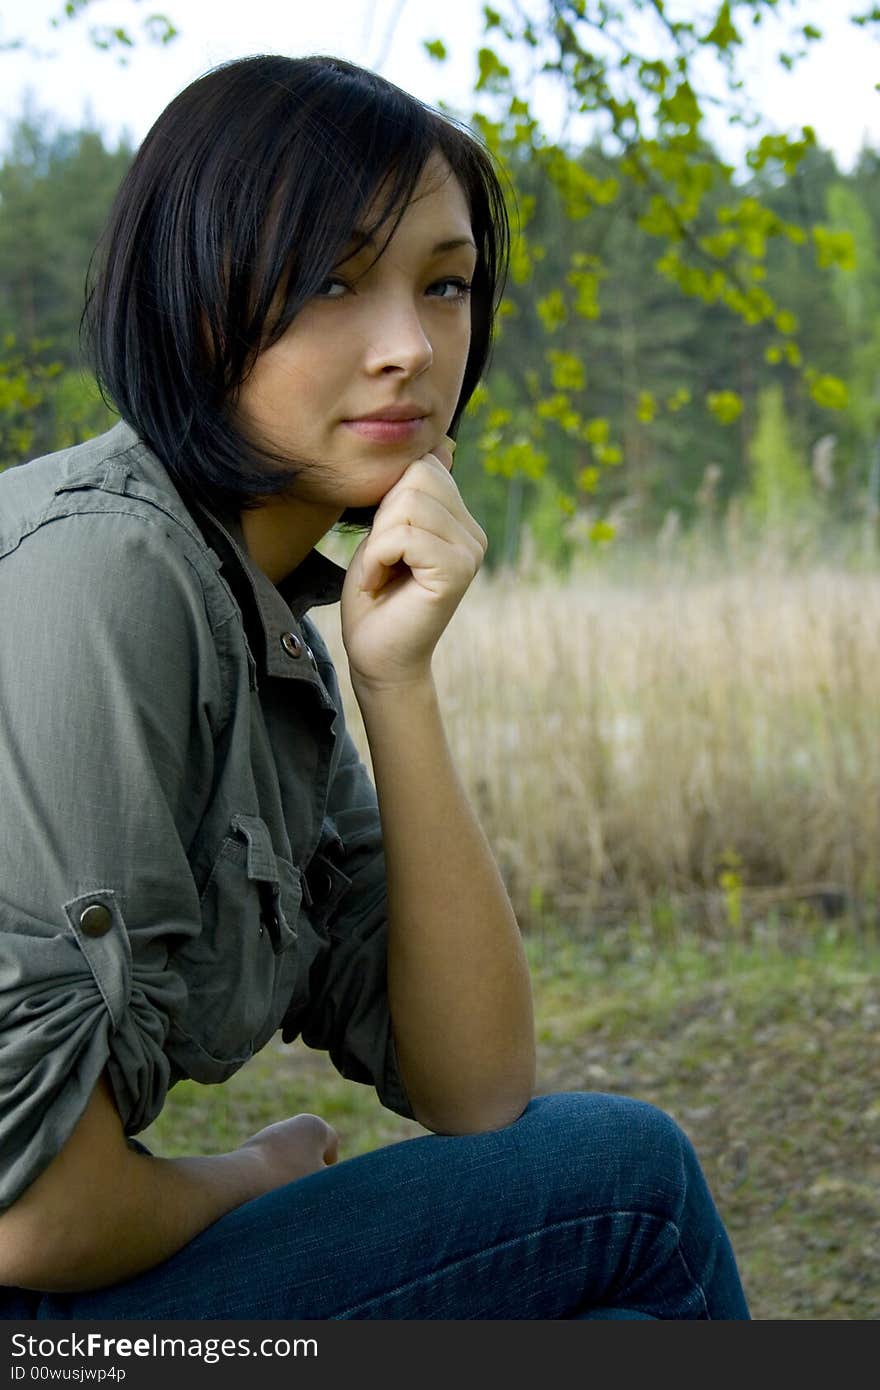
x: 372, y: 494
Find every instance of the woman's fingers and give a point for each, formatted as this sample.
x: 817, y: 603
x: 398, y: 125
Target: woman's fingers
x: 432, y: 513
x: 428, y: 478
x: 436, y: 562
x: 394, y: 539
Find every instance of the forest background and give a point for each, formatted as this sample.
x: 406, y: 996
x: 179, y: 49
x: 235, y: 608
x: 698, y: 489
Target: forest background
x: 662, y: 691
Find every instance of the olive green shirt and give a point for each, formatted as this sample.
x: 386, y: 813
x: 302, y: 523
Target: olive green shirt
x: 190, y: 846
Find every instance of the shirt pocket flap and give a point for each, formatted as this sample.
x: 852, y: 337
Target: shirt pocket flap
x: 260, y: 852
x: 278, y: 882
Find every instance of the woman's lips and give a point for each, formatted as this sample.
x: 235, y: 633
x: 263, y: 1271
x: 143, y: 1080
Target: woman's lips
x: 387, y: 431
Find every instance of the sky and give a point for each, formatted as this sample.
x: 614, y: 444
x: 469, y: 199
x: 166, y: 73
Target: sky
x: 833, y: 90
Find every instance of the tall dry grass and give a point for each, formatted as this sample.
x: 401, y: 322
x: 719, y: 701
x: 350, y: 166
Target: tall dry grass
x: 704, y: 739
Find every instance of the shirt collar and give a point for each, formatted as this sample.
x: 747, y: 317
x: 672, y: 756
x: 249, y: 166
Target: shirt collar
x: 276, y: 610
x: 316, y: 580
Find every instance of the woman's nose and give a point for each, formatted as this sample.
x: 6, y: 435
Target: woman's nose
x: 398, y: 342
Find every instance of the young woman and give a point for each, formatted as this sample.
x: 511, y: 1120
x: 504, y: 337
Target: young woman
x: 292, y: 307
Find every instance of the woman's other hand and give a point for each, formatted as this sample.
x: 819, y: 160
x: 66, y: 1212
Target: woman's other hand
x: 408, y: 576
x: 293, y: 1148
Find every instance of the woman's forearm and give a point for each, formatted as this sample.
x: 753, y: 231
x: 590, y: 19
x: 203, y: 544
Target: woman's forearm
x: 135, y: 1215
x: 458, y: 982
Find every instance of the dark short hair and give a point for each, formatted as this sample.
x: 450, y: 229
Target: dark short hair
x: 184, y: 287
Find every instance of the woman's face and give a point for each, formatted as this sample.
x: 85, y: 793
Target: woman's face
x: 393, y: 334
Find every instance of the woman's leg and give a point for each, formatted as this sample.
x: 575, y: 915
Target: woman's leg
x: 586, y: 1202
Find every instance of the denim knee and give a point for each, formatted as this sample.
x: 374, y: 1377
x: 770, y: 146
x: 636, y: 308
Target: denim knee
x: 629, y: 1152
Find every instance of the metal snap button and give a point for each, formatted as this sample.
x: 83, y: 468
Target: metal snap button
x: 96, y: 920
x: 291, y: 644
x: 320, y: 885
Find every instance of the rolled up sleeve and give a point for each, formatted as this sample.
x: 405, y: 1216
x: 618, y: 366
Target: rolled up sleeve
x: 107, y: 696
x: 347, y: 1012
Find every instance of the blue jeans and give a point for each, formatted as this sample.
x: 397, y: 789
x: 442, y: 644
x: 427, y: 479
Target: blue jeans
x: 587, y: 1206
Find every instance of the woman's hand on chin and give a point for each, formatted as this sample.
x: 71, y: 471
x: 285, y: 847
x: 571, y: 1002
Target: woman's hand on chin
x: 408, y: 576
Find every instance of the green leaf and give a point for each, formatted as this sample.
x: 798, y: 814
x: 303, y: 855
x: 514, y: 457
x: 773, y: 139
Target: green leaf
x: 493, y: 73
x: 597, y: 431
x: 436, y: 49
x: 646, y: 409
x: 521, y: 260
x: 726, y: 406
x: 724, y: 34
x: 588, y: 479
x: 567, y: 371
x: 498, y: 417
x: 520, y: 458
x: 834, y: 248
x: 559, y: 408
x: 830, y: 392
x: 586, y: 300
x: 782, y: 150
x: 682, y: 109
x: 159, y: 29
x: 478, y: 400
x: 552, y: 311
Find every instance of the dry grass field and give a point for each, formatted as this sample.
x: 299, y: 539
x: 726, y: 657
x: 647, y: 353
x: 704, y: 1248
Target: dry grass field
x: 706, y: 743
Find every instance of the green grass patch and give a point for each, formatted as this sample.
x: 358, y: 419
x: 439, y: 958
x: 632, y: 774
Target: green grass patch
x: 764, y: 1049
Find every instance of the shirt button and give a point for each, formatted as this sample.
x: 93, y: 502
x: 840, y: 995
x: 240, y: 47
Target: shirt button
x: 96, y: 920
x: 321, y: 886
x: 291, y: 644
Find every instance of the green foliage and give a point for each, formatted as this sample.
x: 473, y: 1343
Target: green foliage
x: 781, y: 490
x: 726, y: 406
x: 834, y: 248
x: 567, y: 371
x: 655, y: 293
x: 551, y: 509
x: 78, y: 410
x: 55, y: 192
x: 43, y: 405
x: 716, y: 236
x: 25, y: 380
x: 828, y: 391
x: 857, y: 293
x: 155, y: 29
x: 730, y: 881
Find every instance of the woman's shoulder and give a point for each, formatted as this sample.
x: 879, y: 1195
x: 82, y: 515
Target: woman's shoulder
x: 105, y: 514
x: 28, y: 488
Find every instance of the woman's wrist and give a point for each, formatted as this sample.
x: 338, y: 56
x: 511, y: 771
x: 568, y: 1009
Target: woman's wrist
x: 367, y: 690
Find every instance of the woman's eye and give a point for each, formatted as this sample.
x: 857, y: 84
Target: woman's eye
x: 453, y: 289
x: 332, y: 281
x: 460, y: 288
